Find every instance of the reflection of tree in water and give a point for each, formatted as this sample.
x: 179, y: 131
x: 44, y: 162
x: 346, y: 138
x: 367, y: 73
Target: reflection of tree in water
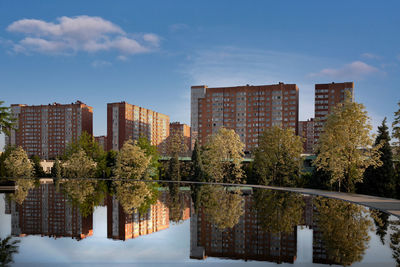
x: 175, y: 203
x: 278, y: 211
x: 344, y: 230
x: 8, y: 247
x: 381, y: 223
x: 395, y: 240
x: 222, y: 205
x: 85, y: 194
x: 134, y: 195
x: 22, y: 191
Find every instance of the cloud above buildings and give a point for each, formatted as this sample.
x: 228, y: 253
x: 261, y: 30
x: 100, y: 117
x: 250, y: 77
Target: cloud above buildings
x: 370, y: 56
x: 69, y: 35
x: 353, y: 70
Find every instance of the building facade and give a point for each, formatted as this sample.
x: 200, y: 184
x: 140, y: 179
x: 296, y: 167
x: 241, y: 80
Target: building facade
x: 306, y: 131
x: 46, y: 130
x: 327, y: 96
x: 182, y: 129
x: 126, y: 121
x: 47, y: 212
x: 102, y: 141
x: 246, y: 109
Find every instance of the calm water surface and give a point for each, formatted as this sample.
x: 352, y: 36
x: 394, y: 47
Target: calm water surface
x: 95, y: 223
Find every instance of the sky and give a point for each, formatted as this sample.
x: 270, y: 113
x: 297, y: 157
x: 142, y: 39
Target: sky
x: 150, y: 53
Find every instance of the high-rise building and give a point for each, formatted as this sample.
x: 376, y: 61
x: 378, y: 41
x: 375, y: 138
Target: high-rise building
x: 123, y: 226
x: 246, y: 240
x: 327, y: 96
x: 46, y: 130
x: 183, y: 129
x: 102, y: 141
x: 126, y: 121
x: 246, y: 109
x: 306, y: 131
x: 48, y: 212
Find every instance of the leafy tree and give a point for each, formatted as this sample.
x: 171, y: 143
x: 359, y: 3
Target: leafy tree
x: 345, y: 147
x: 7, y: 121
x: 173, y: 172
x: 344, y: 229
x: 79, y: 165
x: 277, y: 211
x: 56, y: 169
x: 133, y: 163
x: 22, y: 191
x: 176, y: 144
x: 87, y: 143
x: 3, y: 156
x: 223, y: 207
x: 37, y: 167
x: 151, y: 152
x: 381, y: 181
x: 223, y: 156
x: 277, y: 159
x: 396, y: 131
x: 17, y: 164
x: 8, y: 247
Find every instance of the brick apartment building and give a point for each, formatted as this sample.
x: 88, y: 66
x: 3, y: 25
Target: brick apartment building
x: 246, y: 109
x: 126, y: 121
x: 123, y: 226
x: 102, y: 141
x: 183, y: 129
x: 46, y: 130
x: 47, y: 212
x: 246, y: 240
x: 327, y: 96
x: 306, y: 130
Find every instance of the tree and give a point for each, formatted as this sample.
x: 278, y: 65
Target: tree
x: 176, y: 144
x: 56, y: 169
x: 132, y: 162
x: 381, y: 181
x: 277, y: 159
x: 345, y: 147
x: 8, y: 247
x: 151, y: 152
x: 83, y: 194
x: 88, y: 144
x: 396, y: 131
x: 7, y: 121
x: 223, y: 156
x: 79, y: 165
x: 37, y: 167
x: 198, y: 173
x: 18, y: 165
x: 343, y: 229
x: 3, y: 156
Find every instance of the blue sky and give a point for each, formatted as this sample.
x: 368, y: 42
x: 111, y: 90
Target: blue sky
x: 149, y: 53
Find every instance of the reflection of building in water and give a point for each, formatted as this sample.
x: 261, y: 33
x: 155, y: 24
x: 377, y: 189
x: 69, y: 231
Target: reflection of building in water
x: 124, y: 226
x: 48, y: 213
x: 246, y: 240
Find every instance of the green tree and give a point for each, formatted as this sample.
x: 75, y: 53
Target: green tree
x: 223, y: 156
x: 87, y: 143
x: 151, y: 152
x: 396, y: 146
x: 346, y: 146
x: 56, y: 171
x: 79, y: 165
x: 133, y: 163
x: 18, y: 165
x: 381, y: 181
x: 278, y: 212
x: 3, y: 156
x: 7, y: 121
x: 37, y: 167
x: 222, y: 206
x: 8, y: 247
x: 344, y: 229
x: 277, y: 159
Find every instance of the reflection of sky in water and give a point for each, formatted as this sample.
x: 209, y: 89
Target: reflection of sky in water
x: 170, y: 247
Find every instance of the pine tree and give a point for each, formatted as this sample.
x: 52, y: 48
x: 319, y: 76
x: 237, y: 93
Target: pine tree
x: 56, y: 169
x: 37, y: 167
x: 396, y: 145
x: 380, y: 181
x: 198, y: 174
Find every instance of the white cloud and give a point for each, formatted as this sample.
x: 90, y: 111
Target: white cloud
x: 80, y: 33
x: 370, y: 56
x: 356, y: 69
x: 178, y: 27
x: 100, y: 63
